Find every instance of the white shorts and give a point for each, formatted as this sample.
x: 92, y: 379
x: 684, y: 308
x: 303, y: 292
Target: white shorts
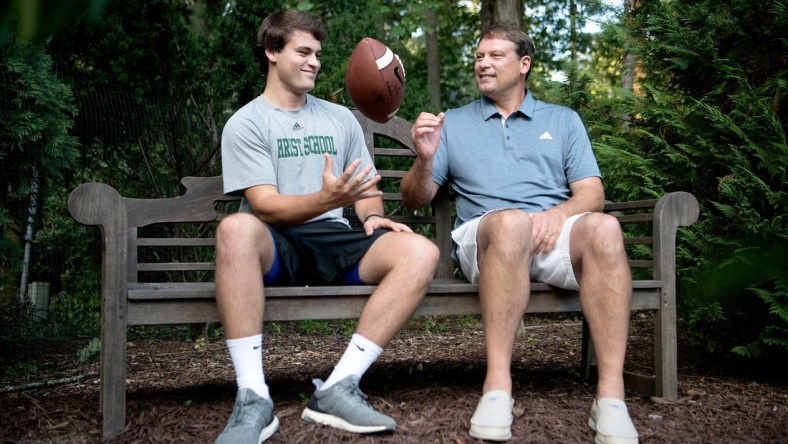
x: 554, y: 268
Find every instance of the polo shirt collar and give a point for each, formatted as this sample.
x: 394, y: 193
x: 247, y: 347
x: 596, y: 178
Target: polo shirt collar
x: 526, y: 108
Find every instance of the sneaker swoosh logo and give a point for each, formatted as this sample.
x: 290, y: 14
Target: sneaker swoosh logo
x: 256, y: 347
x: 359, y: 347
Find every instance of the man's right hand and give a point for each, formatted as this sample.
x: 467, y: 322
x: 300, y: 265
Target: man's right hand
x: 426, y: 133
x: 346, y: 189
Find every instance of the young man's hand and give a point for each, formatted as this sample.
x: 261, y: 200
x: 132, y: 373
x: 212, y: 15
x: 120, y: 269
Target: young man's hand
x: 373, y: 223
x: 346, y: 189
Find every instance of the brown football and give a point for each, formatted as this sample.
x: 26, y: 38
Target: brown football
x: 375, y: 80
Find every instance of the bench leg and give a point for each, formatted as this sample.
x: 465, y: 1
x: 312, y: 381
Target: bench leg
x: 587, y: 356
x: 643, y: 384
x: 113, y: 374
x: 665, y: 350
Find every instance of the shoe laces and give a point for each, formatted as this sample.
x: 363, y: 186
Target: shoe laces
x: 354, y: 393
x: 239, y: 414
x: 242, y: 413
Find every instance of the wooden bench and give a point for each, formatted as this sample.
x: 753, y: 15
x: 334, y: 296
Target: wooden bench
x: 157, y: 266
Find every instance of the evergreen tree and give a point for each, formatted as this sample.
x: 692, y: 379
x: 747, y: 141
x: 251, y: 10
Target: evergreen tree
x: 708, y: 115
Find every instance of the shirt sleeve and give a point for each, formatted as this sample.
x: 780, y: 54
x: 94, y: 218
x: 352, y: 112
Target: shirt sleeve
x: 246, y: 156
x: 580, y: 160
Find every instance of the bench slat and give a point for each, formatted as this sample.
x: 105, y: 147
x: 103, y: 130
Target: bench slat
x: 392, y: 174
x: 211, y: 242
x: 631, y: 205
x: 204, y: 290
x: 393, y: 152
x: 392, y: 196
x: 347, y: 306
x: 639, y: 240
x: 175, y: 266
x: 626, y: 219
x: 176, y: 242
x: 641, y: 263
x: 413, y: 219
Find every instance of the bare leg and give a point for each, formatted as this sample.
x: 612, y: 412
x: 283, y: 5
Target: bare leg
x: 504, y: 242
x: 600, y: 261
x: 402, y: 264
x: 244, y: 251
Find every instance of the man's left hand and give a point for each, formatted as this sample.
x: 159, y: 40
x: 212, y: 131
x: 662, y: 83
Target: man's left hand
x: 547, y: 226
x: 374, y: 223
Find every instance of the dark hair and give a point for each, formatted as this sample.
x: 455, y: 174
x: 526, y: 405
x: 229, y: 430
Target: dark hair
x: 524, y: 46
x: 277, y: 29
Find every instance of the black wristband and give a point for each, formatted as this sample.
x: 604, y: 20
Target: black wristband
x: 370, y: 216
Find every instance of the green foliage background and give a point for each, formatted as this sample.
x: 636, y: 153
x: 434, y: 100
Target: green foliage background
x: 36, y: 117
x: 135, y: 94
x: 709, y: 117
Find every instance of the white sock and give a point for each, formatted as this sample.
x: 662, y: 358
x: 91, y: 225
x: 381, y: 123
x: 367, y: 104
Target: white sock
x: 359, y: 355
x: 247, y: 356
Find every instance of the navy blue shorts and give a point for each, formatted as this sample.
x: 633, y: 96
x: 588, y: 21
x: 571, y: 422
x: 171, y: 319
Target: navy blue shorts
x: 318, y: 253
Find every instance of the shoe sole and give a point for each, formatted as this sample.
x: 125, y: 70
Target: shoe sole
x: 268, y: 430
x: 490, y: 433
x: 339, y: 423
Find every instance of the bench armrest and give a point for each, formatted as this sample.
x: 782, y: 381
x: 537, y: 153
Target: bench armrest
x: 100, y: 204
x: 672, y: 211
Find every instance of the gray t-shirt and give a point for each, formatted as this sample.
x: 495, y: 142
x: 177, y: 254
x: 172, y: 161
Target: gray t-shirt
x: 266, y: 145
x: 526, y: 161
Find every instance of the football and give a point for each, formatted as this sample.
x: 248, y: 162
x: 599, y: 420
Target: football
x: 375, y: 80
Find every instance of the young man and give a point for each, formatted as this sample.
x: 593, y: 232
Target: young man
x: 531, y: 212
x: 297, y: 161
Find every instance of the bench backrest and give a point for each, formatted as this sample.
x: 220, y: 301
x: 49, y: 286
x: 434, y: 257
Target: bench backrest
x: 171, y: 239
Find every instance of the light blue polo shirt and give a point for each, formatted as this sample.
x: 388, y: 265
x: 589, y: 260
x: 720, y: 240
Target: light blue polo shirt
x: 526, y: 161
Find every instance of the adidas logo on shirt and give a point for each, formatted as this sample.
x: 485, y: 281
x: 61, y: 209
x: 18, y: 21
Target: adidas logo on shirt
x: 545, y: 136
x: 297, y: 127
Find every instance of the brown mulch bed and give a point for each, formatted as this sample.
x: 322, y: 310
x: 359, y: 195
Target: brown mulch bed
x: 428, y: 379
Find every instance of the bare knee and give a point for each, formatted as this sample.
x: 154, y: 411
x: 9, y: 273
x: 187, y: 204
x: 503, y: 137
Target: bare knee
x: 240, y: 234
x: 418, y: 254
x: 425, y: 255
x: 507, y: 232
x: 600, y: 235
x: 235, y: 223
x: 400, y: 253
x: 606, y: 231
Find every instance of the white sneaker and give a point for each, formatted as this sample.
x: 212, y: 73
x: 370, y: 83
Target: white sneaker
x: 610, y: 420
x: 492, y: 420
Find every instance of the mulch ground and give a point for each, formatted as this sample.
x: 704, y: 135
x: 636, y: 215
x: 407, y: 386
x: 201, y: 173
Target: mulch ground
x: 429, y: 380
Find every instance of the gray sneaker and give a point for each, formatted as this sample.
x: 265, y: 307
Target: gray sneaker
x: 252, y: 421
x: 344, y: 406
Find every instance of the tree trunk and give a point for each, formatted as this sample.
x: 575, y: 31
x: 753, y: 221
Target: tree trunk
x: 433, y: 59
x: 509, y: 12
x: 573, y: 31
x: 628, y: 75
x: 29, y: 236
